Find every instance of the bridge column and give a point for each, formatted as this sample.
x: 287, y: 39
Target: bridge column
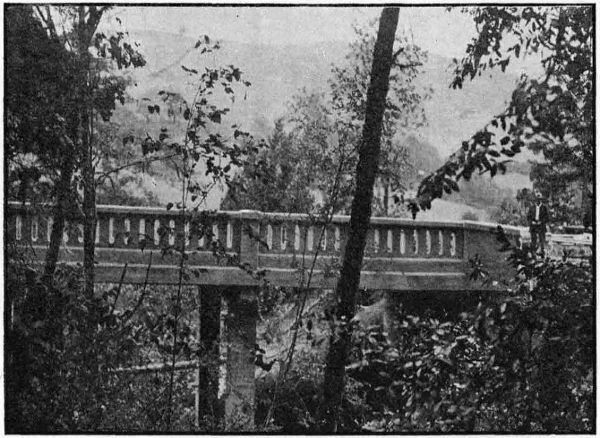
x: 238, y: 339
x: 209, y: 299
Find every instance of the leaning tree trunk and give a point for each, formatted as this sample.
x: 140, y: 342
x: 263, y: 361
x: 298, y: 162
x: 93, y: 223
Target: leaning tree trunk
x: 366, y: 172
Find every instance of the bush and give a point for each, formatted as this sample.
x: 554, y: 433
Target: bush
x: 469, y: 216
x: 523, y: 364
x: 62, y: 349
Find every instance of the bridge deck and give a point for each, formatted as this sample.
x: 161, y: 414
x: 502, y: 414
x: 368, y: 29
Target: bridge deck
x: 222, y: 247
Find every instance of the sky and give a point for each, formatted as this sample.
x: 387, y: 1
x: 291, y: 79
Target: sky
x: 433, y: 28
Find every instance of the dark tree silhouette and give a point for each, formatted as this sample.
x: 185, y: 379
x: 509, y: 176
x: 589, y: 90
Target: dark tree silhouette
x: 366, y: 172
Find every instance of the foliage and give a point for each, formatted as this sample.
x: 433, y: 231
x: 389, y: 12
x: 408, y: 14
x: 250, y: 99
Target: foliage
x: 513, y: 211
x: 276, y: 180
x: 481, y: 192
x: 205, y: 153
x: 45, y: 90
x: 469, y: 216
x: 403, y: 113
x: 321, y: 132
x: 509, y: 212
x: 38, y: 104
x: 523, y: 363
x: 553, y: 114
x: 562, y: 186
x: 59, y: 344
x: 63, y: 349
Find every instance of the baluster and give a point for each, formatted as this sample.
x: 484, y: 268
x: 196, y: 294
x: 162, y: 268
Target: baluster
x: 97, y: 231
x: 402, y: 242
x: 297, y: 237
x: 171, y: 232
x: 142, y: 230
x: 309, y: 238
x: 229, y: 235
x: 156, y: 232
x: 50, y: 222
x: 237, y: 230
x: 215, y: 232
x: 201, y: 230
x: 415, y: 241
x: 65, y: 236
x: 283, y: 236
x: 18, y: 227
x: 453, y: 244
x: 34, y: 229
x: 324, y: 239
x: 269, y: 236
x: 222, y: 225
x: 427, y: 242
x: 127, y: 233
x: 389, y: 244
x: 276, y: 239
x: 376, y: 241
x: 440, y: 242
x: 186, y: 233
x: 337, y: 242
x: 331, y: 238
x: 111, y: 231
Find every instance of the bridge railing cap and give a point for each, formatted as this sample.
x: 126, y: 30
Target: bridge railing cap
x: 249, y: 214
x: 489, y: 226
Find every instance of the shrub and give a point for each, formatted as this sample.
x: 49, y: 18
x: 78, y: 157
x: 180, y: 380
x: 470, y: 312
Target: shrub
x: 522, y: 364
x: 62, y: 349
x: 469, y: 216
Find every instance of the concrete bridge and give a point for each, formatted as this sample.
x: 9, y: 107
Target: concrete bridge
x: 229, y: 255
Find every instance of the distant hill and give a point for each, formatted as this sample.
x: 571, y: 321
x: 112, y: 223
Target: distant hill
x: 279, y: 72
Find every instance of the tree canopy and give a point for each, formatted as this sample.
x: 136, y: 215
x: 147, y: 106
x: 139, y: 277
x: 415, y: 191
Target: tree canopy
x: 552, y: 115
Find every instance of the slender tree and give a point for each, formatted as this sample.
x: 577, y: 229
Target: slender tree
x: 92, y: 93
x: 366, y: 172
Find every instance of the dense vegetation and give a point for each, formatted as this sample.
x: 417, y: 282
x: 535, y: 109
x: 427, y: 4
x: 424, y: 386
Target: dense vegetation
x: 77, y: 360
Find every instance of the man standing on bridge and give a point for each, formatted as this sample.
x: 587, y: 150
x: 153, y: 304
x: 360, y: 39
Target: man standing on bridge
x: 537, y: 216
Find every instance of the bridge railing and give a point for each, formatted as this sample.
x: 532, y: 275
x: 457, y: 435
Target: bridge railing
x: 278, y: 234
x: 262, y: 240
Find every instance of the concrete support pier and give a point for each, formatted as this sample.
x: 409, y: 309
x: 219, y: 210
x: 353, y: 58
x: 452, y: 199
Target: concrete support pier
x: 238, y: 339
x: 207, y: 406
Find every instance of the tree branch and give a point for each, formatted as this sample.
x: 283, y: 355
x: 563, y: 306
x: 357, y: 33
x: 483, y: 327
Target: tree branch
x: 104, y: 175
x: 48, y: 22
x: 398, y: 52
x: 409, y: 65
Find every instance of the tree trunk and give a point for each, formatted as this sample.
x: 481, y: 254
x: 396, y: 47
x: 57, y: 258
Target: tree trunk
x: 86, y: 31
x: 58, y: 215
x: 386, y: 197
x: 89, y: 209
x: 366, y: 172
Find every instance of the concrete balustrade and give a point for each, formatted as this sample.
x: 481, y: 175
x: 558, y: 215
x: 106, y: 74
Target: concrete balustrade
x: 401, y: 254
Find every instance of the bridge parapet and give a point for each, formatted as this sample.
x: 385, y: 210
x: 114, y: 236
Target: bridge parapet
x: 400, y: 253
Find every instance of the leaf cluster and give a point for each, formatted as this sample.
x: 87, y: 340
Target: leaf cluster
x: 552, y: 115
